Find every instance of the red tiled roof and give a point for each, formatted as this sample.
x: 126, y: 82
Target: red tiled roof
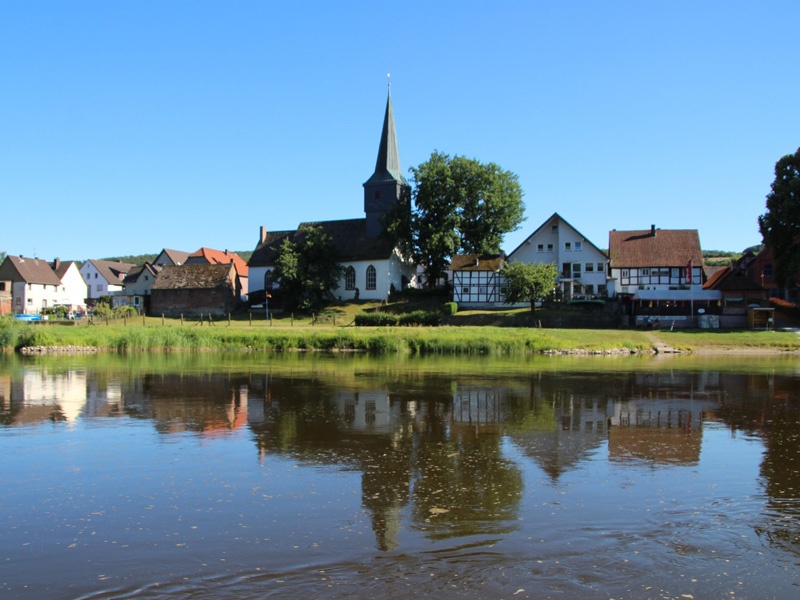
x: 654, y: 248
x: 218, y: 257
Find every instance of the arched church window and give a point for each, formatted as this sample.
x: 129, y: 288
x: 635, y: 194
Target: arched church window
x: 350, y: 278
x: 372, y: 278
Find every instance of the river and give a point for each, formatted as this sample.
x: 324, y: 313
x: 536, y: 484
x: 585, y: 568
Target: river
x: 333, y: 476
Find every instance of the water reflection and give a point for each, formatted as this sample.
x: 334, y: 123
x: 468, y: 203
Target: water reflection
x: 445, y: 455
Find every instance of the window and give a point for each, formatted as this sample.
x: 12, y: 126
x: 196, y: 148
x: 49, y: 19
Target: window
x: 645, y: 273
x: 554, y: 228
x: 675, y: 273
x: 568, y: 246
x: 590, y: 289
x: 576, y: 270
x: 136, y: 300
x: 465, y: 291
x: 350, y: 278
x: 268, y: 283
x: 147, y: 277
x: 372, y: 277
x: 767, y: 270
x: 540, y: 247
x: 2, y: 286
x: 95, y: 275
x: 588, y: 267
x: 601, y: 267
x: 30, y: 300
x: 549, y: 247
x: 578, y: 245
x: 626, y: 273
x: 99, y: 287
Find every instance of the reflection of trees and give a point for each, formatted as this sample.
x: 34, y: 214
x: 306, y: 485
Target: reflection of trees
x: 770, y: 409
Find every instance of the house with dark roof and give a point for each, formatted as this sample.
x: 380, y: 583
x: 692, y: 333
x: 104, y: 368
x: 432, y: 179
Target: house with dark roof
x: 35, y: 284
x: 582, y: 265
x: 104, y: 277
x: 194, y: 290
x: 762, y: 270
x: 740, y: 292
x: 137, y: 284
x: 373, y: 263
x: 659, y: 272
x: 170, y: 257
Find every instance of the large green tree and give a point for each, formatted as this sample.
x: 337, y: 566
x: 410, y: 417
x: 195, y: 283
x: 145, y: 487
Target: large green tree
x: 460, y: 206
x: 528, y: 282
x: 780, y: 225
x: 307, y: 269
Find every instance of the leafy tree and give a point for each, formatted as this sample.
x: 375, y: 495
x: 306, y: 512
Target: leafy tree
x: 307, y: 269
x: 529, y: 282
x: 460, y: 206
x: 780, y: 225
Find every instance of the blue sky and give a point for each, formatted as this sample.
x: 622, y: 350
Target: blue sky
x: 131, y: 126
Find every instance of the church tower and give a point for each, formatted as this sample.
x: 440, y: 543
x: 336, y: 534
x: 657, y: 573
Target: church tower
x: 387, y: 186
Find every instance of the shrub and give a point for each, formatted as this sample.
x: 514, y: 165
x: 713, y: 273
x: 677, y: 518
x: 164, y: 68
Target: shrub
x: 375, y: 320
x: 429, y: 318
x: 450, y: 308
x: 125, y: 311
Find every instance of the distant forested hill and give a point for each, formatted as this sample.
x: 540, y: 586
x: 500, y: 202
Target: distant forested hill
x: 140, y: 259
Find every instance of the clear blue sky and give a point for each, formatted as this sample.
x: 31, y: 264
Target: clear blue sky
x: 131, y: 126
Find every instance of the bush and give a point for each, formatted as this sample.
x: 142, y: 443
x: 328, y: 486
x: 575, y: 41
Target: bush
x: 375, y: 320
x: 429, y: 318
x: 125, y: 311
x: 450, y: 308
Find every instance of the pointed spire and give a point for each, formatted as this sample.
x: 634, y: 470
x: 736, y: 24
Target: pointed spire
x: 387, y: 167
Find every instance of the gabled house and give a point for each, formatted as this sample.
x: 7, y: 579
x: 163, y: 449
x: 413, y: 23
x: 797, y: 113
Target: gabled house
x: 194, y: 290
x: 658, y: 273
x: 209, y: 256
x: 171, y: 258
x: 373, y: 263
x: 762, y: 270
x: 655, y: 260
x: 104, y: 277
x: 477, y: 281
x: 72, y: 292
x: 739, y: 292
x: 36, y: 284
x: 137, y: 284
x: 582, y: 265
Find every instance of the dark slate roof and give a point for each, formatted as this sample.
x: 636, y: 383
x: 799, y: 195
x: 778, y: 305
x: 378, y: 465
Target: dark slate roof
x: 654, y: 248
x: 28, y: 270
x: 134, y: 274
x: 349, y: 238
x: 471, y: 262
x: 193, y: 277
x: 387, y: 167
x: 112, y: 271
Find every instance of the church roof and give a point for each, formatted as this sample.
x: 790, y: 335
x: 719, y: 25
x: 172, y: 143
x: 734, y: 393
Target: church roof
x: 387, y: 167
x: 349, y: 238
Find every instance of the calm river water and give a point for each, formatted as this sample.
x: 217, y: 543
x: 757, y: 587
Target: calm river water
x: 348, y: 476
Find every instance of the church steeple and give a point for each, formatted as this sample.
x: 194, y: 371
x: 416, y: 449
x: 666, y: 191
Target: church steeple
x: 384, y: 189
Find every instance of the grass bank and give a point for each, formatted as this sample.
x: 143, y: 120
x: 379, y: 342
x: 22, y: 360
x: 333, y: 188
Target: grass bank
x: 328, y: 333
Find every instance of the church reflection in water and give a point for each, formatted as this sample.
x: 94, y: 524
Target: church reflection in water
x: 434, y: 443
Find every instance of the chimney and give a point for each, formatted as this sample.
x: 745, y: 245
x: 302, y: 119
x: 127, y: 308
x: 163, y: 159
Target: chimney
x: 56, y: 264
x: 263, y: 234
x: 653, y: 230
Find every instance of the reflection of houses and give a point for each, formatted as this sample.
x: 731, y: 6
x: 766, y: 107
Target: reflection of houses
x: 38, y: 395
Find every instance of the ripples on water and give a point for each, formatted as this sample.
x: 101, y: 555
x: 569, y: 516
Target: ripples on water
x: 347, y: 479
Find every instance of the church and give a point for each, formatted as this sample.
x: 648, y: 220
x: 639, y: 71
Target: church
x: 373, y: 263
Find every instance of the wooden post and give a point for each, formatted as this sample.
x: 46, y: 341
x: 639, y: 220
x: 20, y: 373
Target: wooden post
x: 292, y: 319
x: 229, y: 319
x: 313, y: 319
x: 334, y: 320
x: 162, y: 318
x: 181, y: 319
x: 143, y: 319
x: 201, y: 319
x: 251, y: 318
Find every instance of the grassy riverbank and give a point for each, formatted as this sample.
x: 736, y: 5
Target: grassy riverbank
x: 155, y: 334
